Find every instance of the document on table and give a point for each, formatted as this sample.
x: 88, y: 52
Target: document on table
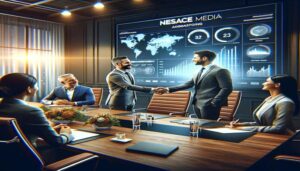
x: 79, y: 135
x: 227, y: 130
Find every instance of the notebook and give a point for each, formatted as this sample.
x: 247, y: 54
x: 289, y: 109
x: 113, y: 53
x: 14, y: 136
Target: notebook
x: 153, y: 148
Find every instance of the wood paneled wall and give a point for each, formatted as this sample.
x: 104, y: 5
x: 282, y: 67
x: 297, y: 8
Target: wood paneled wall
x: 90, y: 46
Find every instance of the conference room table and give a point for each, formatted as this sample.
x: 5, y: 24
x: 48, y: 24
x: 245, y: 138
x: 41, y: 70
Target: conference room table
x: 193, y: 153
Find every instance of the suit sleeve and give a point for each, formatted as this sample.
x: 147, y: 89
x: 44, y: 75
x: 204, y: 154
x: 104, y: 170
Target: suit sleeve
x: 39, y: 125
x: 225, y: 83
x: 184, y: 86
x: 49, y: 98
x: 284, y: 112
x: 120, y: 81
x: 89, y: 98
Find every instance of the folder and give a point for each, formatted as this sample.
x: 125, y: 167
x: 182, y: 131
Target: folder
x: 153, y: 148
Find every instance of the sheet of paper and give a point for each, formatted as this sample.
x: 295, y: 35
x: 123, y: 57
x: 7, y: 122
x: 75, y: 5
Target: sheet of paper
x: 226, y: 130
x: 78, y: 135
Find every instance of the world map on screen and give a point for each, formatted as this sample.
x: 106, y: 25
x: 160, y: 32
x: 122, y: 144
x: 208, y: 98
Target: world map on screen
x: 153, y: 43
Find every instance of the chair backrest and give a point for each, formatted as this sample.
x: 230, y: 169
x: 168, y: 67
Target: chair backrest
x: 228, y: 112
x: 98, y: 92
x: 170, y: 102
x: 18, y: 150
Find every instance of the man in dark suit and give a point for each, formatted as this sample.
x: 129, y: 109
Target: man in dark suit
x: 70, y: 93
x: 122, y: 95
x: 212, y: 85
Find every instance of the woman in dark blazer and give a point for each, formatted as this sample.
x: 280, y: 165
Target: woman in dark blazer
x: 274, y: 114
x: 14, y: 88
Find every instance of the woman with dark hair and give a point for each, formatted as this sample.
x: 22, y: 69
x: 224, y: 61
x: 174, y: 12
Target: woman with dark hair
x: 274, y: 114
x: 14, y: 88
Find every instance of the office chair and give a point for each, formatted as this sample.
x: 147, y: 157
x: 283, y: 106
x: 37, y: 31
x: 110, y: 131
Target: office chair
x: 17, y: 152
x: 98, y: 92
x: 170, y: 103
x: 228, y: 112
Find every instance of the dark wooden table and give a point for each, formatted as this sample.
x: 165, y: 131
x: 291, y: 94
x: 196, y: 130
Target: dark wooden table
x: 193, y: 153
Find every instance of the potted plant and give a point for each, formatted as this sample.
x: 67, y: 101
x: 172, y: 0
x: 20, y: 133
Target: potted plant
x: 103, y: 121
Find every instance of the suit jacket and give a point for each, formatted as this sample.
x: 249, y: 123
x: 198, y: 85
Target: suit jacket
x: 82, y: 95
x: 212, y: 88
x: 32, y: 121
x: 122, y: 89
x: 275, y: 118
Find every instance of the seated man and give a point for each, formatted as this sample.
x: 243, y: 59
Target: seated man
x: 70, y: 93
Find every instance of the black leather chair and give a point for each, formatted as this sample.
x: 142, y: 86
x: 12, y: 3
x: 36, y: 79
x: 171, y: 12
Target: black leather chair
x: 17, y: 152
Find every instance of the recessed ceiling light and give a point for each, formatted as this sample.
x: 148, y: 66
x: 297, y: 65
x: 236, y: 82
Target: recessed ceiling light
x: 99, y: 5
x: 66, y: 13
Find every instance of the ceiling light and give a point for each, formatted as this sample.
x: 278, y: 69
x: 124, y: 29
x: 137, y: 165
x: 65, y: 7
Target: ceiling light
x: 66, y: 13
x: 99, y: 5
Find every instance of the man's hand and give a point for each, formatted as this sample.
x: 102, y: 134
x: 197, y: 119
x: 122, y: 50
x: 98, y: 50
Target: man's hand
x: 160, y: 90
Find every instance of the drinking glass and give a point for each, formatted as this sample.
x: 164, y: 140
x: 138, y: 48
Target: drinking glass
x: 149, y: 119
x: 136, y: 122
x: 84, y: 107
x: 194, y: 127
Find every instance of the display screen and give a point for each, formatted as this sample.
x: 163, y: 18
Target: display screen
x: 247, y: 42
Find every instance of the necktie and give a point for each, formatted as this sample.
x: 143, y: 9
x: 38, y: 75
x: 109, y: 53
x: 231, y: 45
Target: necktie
x: 130, y: 77
x: 199, y: 75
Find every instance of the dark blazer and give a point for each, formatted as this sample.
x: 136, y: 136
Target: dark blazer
x: 122, y: 89
x: 32, y: 121
x: 82, y: 95
x: 277, y: 118
x: 213, y: 87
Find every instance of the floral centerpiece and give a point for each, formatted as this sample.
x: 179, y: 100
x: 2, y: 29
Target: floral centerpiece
x: 103, y: 121
x: 64, y: 115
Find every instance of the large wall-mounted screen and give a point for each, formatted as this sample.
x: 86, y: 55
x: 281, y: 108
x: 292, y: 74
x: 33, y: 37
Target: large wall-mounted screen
x: 247, y: 42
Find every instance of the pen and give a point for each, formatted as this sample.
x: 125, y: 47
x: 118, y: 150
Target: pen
x: 236, y: 121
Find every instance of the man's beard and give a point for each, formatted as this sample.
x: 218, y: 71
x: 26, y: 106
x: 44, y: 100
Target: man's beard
x: 124, y: 67
x: 199, y: 63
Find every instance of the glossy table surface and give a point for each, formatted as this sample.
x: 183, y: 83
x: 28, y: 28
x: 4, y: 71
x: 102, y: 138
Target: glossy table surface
x: 193, y: 153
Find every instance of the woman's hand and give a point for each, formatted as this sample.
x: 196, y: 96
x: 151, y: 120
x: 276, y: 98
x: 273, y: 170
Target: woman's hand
x: 234, y: 124
x: 57, y: 128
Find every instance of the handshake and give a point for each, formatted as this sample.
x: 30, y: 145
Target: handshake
x: 160, y: 90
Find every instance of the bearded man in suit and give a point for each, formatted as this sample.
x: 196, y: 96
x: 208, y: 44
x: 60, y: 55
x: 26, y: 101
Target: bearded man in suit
x: 121, y: 84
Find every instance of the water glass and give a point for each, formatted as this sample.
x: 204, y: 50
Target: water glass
x: 136, y: 122
x: 194, y: 128
x: 84, y: 107
x: 149, y: 119
x: 120, y: 135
